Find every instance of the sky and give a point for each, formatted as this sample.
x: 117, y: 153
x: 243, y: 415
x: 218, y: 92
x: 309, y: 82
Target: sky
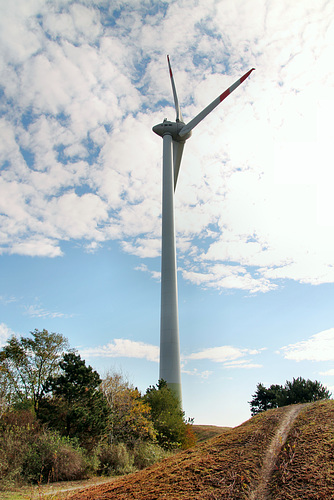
x: 82, y: 83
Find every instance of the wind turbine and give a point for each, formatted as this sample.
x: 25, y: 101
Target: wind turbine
x: 174, y: 135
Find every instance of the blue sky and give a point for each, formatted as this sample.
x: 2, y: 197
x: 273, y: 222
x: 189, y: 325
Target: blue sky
x: 81, y: 85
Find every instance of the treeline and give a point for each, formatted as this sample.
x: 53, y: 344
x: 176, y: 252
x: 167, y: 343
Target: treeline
x: 297, y: 391
x: 60, y: 421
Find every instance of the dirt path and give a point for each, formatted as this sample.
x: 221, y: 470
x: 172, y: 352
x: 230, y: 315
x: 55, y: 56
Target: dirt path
x: 61, y: 489
x: 260, y: 492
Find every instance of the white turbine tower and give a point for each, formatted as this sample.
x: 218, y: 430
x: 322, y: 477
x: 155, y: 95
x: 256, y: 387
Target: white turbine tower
x: 174, y: 135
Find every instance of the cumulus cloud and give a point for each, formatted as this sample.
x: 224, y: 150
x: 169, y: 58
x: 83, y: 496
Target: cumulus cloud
x: 83, y: 87
x: 319, y: 347
x: 123, y: 348
x: 229, y: 356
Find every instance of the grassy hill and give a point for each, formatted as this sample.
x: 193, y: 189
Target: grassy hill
x: 286, y: 453
x: 205, y: 432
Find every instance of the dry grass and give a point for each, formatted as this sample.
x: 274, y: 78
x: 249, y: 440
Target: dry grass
x: 227, y: 466
x: 52, y: 491
x: 231, y: 465
x: 305, y: 465
x: 205, y: 432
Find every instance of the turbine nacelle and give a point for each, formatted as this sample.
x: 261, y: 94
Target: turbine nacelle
x: 171, y: 128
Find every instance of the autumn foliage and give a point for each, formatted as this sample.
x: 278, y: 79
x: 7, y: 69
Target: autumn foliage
x: 58, y: 415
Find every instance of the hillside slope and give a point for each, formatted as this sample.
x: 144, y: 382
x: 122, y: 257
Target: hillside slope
x: 247, y: 462
x: 205, y: 432
x: 304, y: 468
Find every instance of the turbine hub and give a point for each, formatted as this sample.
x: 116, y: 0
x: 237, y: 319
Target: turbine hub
x: 171, y: 128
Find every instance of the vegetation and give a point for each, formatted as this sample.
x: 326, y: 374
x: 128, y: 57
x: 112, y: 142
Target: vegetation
x: 231, y: 465
x: 130, y: 418
x: 205, y: 432
x: 33, y: 454
x: 75, y: 406
x: 297, y: 391
x: 26, y: 364
x: 305, y: 467
x: 60, y: 421
x: 167, y: 416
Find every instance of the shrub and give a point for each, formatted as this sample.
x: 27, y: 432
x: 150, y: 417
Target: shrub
x: 115, y: 459
x: 31, y: 454
x: 146, y: 454
x: 13, y: 449
x: 54, y: 458
x: 120, y: 459
x: 190, y: 438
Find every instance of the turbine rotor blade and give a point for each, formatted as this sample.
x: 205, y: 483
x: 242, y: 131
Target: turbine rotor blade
x: 177, y: 157
x: 176, y: 101
x: 195, y: 121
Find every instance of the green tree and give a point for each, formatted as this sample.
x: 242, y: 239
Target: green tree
x: 167, y: 416
x: 297, y: 391
x: 76, y: 407
x: 265, y: 398
x: 303, y: 391
x: 26, y: 364
x: 130, y: 416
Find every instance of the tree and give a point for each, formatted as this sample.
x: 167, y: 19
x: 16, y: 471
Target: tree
x: 76, y: 407
x: 130, y: 416
x: 297, y: 391
x: 303, y: 391
x: 26, y: 363
x: 167, y: 416
x: 265, y: 399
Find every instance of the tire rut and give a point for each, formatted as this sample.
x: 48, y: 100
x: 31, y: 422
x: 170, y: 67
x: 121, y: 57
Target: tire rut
x: 279, y: 439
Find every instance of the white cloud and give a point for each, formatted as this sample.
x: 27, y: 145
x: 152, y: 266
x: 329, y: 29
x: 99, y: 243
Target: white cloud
x: 79, y: 160
x: 36, y: 247
x: 5, y: 334
x: 328, y: 372
x: 37, y: 311
x: 319, y: 347
x: 123, y: 348
x: 228, y: 277
x: 228, y: 355
x: 154, y: 274
x: 245, y: 365
x: 205, y: 374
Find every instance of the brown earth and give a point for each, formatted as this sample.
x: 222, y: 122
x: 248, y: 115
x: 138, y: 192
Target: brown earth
x: 286, y: 453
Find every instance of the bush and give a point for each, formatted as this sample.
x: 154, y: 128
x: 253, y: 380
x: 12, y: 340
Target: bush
x: 115, y: 459
x: 13, y: 449
x: 31, y: 454
x: 119, y: 459
x: 53, y: 458
x: 146, y: 454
